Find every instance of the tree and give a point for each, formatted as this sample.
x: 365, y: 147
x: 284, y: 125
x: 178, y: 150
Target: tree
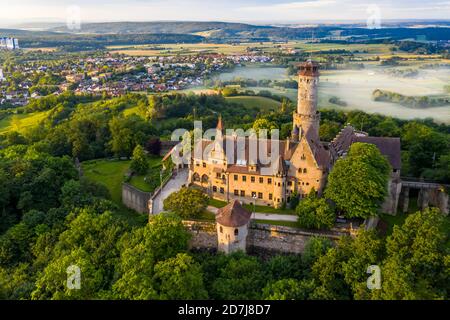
x: 187, y: 203
x: 241, y: 278
x: 314, y: 249
x: 284, y: 266
x: 139, y: 162
x: 153, y: 146
x: 315, y: 213
x: 288, y: 289
x: 163, y: 238
x: 179, y: 278
x: 264, y: 124
x: 52, y: 283
x: 417, y: 265
x: 358, y: 183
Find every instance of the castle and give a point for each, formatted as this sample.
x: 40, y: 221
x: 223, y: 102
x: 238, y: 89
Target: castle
x: 227, y: 171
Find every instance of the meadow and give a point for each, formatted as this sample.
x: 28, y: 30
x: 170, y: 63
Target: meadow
x: 20, y: 122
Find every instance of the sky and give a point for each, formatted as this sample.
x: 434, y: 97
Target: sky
x: 289, y: 11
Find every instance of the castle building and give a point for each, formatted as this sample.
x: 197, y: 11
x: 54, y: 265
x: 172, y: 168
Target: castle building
x: 226, y: 170
x: 232, y: 227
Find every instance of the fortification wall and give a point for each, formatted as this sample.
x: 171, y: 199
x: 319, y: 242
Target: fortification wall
x: 261, y: 237
x: 135, y: 199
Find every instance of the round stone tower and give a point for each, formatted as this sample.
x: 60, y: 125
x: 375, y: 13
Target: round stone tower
x: 232, y: 227
x: 307, y: 118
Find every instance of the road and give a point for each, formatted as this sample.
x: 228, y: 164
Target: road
x: 173, y: 185
x: 264, y: 216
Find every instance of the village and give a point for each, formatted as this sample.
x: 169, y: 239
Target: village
x: 113, y: 75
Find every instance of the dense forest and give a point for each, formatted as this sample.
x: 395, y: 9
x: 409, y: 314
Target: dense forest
x: 52, y: 218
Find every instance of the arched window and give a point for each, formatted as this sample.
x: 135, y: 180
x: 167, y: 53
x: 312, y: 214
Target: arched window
x: 236, y: 232
x: 304, y: 170
x: 204, y: 178
x: 196, y: 177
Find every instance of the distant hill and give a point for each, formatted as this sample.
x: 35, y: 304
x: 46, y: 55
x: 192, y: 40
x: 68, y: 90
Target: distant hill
x: 179, y: 27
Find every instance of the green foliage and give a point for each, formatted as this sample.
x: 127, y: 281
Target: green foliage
x: 357, y: 183
x: 242, y: 277
x: 51, y: 284
x: 289, y: 289
x: 187, y: 203
x: 315, y: 213
x: 179, y: 278
x: 417, y: 262
x: 163, y: 238
x: 139, y: 161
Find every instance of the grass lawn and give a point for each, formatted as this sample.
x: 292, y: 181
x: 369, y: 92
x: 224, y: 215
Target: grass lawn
x: 109, y: 173
x: 399, y: 219
x: 151, y: 180
x: 262, y: 103
x: 19, y: 122
x: 263, y: 209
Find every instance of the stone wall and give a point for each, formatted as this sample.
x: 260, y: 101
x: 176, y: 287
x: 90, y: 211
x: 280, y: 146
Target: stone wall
x: 261, y: 237
x: 204, y: 234
x: 135, y: 199
x: 264, y: 237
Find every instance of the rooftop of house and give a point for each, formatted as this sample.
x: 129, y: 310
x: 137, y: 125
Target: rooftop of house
x: 233, y: 215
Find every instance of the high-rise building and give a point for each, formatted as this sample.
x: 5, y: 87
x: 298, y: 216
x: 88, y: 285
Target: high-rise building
x: 8, y: 43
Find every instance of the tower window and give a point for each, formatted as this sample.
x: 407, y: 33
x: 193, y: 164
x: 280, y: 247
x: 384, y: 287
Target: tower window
x: 304, y: 170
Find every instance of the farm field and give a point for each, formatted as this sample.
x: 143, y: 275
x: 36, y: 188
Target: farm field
x: 241, y: 48
x: 355, y: 87
x: 263, y: 103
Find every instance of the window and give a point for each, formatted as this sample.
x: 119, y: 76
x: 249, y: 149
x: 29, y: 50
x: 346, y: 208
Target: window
x: 236, y: 192
x: 261, y: 180
x: 242, y: 193
x: 252, y: 179
x: 197, y: 164
x: 299, y: 170
x: 304, y: 170
x: 289, y: 183
x: 303, y: 157
x: 218, y: 175
x: 270, y: 196
x: 221, y: 229
x: 204, y: 165
x: 253, y: 194
x: 222, y: 190
x: 244, y: 178
x: 214, y: 189
x: 260, y: 195
x: 236, y: 232
x: 307, y: 183
x: 269, y: 180
x: 235, y: 177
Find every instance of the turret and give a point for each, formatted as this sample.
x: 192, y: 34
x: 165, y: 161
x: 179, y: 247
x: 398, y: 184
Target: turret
x: 306, y: 117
